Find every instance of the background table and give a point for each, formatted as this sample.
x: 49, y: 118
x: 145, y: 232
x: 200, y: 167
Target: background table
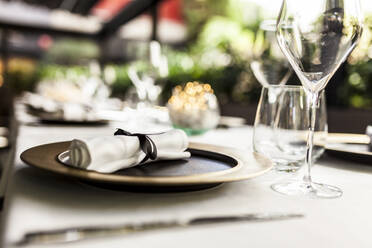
x: 38, y: 200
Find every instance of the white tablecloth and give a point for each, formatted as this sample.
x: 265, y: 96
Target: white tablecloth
x: 41, y: 201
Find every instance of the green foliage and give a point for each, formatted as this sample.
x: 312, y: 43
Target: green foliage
x: 53, y: 71
x: 69, y: 51
x: 122, y: 83
x: 197, y: 13
x: 356, y: 91
x: 20, y: 81
x: 243, y: 12
x: 22, y: 75
x: 225, y: 35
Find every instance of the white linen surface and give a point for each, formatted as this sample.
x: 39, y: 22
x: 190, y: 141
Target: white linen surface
x: 108, y: 154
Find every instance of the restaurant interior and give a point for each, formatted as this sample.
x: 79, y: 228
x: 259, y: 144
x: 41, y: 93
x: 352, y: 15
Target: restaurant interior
x: 163, y: 123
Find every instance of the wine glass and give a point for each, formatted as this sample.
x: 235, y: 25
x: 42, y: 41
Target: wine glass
x: 145, y: 73
x: 269, y: 65
x: 316, y: 37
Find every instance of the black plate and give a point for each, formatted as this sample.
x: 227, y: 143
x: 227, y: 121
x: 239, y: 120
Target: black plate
x: 352, y: 152
x: 201, y: 163
x: 74, y: 123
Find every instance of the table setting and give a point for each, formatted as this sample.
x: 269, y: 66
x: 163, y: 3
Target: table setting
x: 185, y: 180
x: 41, y: 201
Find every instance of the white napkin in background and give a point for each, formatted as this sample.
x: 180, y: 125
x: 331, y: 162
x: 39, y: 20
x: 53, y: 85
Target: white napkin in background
x: 49, y: 109
x: 111, y: 153
x: 78, y: 112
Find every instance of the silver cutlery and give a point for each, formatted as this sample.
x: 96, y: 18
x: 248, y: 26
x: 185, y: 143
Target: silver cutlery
x: 80, y: 233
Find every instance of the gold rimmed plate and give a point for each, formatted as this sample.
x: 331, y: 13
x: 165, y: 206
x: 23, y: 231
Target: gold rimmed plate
x: 208, y: 166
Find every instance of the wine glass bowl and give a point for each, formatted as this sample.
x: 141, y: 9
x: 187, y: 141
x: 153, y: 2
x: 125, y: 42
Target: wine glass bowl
x: 316, y: 37
x: 269, y: 65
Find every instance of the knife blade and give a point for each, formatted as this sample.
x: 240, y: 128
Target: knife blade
x: 74, y: 234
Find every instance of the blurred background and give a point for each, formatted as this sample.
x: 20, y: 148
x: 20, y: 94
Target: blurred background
x: 50, y: 46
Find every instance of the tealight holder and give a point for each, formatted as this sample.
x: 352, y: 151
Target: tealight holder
x: 194, y: 108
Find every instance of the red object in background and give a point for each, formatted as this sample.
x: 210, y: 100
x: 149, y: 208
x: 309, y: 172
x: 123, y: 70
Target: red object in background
x: 45, y: 41
x: 171, y: 10
x: 106, y: 9
x: 168, y: 9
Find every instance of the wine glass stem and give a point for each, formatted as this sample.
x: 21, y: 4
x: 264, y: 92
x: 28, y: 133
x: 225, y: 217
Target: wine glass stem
x: 310, y: 138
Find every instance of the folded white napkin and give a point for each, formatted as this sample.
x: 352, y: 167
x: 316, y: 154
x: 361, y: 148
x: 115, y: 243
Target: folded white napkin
x: 112, y: 153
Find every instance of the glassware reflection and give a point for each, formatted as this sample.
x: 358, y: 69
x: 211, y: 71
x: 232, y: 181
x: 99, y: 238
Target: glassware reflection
x: 281, y: 126
x: 269, y: 65
x: 144, y: 75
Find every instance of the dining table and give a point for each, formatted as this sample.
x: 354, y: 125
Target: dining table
x: 37, y: 200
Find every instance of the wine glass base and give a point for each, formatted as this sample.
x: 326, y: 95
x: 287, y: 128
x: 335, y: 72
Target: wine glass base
x: 287, y: 167
x: 314, y: 190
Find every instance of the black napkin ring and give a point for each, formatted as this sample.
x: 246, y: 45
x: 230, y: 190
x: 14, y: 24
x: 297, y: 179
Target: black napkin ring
x: 146, y: 143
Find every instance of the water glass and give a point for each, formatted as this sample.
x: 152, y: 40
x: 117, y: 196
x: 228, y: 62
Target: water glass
x: 281, y: 126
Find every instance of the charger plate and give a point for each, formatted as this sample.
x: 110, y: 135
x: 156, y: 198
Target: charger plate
x: 208, y: 166
x: 352, y: 147
x: 348, y: 146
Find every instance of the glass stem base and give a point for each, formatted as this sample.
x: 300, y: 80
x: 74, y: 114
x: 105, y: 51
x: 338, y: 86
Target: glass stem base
x: 313, y: 190
x: 287, y: 167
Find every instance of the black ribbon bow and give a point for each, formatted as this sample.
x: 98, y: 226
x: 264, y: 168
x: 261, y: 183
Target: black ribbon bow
x: 146, y: 143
